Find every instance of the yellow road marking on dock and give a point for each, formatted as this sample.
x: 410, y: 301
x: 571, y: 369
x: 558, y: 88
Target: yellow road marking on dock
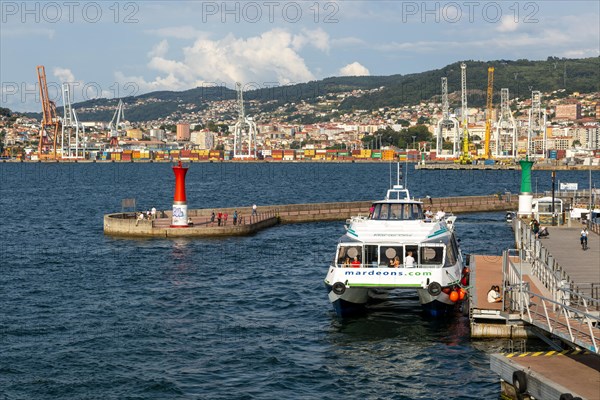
x: 545, y: 353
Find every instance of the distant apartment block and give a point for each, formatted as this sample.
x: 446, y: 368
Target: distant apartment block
x: 568, y: 111
x: 183, y: 132
x: 204, y: 140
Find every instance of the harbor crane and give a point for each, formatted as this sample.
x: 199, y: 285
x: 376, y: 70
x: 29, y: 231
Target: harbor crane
x: 487, y: 154
x: 71, y: 128
x: 115, y: 123
x: 448, y: 122
x: 465, y: 157
x: 537, y: 123
x: 50, y: 120
x: 244, y: 131
x: 506, y: 130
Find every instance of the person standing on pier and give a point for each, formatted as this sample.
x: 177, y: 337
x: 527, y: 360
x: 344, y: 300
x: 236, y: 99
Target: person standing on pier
x: 212, y: 218
x: 219, y: 217
x: 235, y: 217
x: 225, y: 215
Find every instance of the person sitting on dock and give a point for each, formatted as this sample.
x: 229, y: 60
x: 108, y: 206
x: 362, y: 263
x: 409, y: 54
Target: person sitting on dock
x: 190, y: 222
x: 140, y: 217
x: 493, y: 296
x: 409, y: 260
x: 355, y: 263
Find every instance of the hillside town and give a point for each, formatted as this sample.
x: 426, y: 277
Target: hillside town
x: 319, y: 131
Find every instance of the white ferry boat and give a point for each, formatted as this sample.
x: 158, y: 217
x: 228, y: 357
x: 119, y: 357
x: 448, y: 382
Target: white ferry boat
x: 397, y: 246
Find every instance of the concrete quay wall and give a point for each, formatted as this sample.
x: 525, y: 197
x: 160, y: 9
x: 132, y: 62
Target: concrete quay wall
x: 116, y: 225
x: 125, y: 224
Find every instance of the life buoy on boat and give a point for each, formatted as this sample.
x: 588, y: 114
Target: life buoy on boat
x: 338, y: 288
x: 434, y: 288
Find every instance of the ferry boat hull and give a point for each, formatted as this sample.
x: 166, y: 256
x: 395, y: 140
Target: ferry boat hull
x: 354, y: 302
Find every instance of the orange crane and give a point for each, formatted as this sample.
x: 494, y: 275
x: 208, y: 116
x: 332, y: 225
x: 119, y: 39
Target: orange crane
x: 488, y: 114
x: 47, y: 149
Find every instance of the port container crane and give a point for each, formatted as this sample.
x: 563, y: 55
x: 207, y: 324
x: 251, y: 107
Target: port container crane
x: 488, y: 114
x: 50, y: 120
x: 465, y: 157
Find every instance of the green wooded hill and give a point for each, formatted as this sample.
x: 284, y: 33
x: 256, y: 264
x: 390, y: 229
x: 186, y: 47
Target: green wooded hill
x: 520, y: 76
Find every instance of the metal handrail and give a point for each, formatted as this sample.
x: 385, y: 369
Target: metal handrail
x: 549, y: 318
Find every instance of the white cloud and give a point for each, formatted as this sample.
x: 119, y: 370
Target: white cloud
x: 64, y: 74
x: 507, y: 24
x: 318, y: 38
x: 354, y: 69
x: 179, y: 32
x: 269, y: 57
x: 17, y: 31
x: 160, y: 50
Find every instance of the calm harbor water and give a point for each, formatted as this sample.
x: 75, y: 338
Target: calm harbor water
x: 88, y: 316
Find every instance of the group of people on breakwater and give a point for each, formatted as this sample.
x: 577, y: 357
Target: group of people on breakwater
x: 149, y: 215
x: 222, y: 217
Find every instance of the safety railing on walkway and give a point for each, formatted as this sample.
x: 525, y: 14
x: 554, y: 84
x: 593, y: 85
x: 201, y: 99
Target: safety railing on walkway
x: 570, y: 316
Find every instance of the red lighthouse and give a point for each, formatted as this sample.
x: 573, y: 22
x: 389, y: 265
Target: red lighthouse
x: 180, y: 218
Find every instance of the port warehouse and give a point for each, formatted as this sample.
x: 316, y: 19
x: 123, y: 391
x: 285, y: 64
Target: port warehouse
x: 277, y: 155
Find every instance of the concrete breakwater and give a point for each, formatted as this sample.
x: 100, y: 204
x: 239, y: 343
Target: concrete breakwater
x: 127, y: 225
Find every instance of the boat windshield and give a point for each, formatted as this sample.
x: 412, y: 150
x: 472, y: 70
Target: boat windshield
x: 397, y: 211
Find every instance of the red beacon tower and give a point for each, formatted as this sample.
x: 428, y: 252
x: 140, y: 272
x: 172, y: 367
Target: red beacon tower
x: 180, y: 215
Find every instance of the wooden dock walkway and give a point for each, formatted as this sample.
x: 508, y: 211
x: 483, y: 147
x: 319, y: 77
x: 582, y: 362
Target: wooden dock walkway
x: 581, y: 266
x: 549, y: 375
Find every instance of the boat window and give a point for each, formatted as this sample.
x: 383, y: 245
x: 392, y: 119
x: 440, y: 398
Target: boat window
x: 395, y: 211
x: 454, y: 246
x: 451, y: 253
x: 384, y: 211
x: 376, y: 211
x: 371, y: 256
x: 387, y: 254
x: 432, y: 255
x: 347, y: 253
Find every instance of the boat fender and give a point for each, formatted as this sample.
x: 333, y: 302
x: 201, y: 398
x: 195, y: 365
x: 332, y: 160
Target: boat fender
x: 434, y: 288
x: 338, y: 288
x: 519, y: 379
x: 566, y: 396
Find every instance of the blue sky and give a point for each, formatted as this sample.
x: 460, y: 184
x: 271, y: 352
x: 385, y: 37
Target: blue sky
x: 111, y: 49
